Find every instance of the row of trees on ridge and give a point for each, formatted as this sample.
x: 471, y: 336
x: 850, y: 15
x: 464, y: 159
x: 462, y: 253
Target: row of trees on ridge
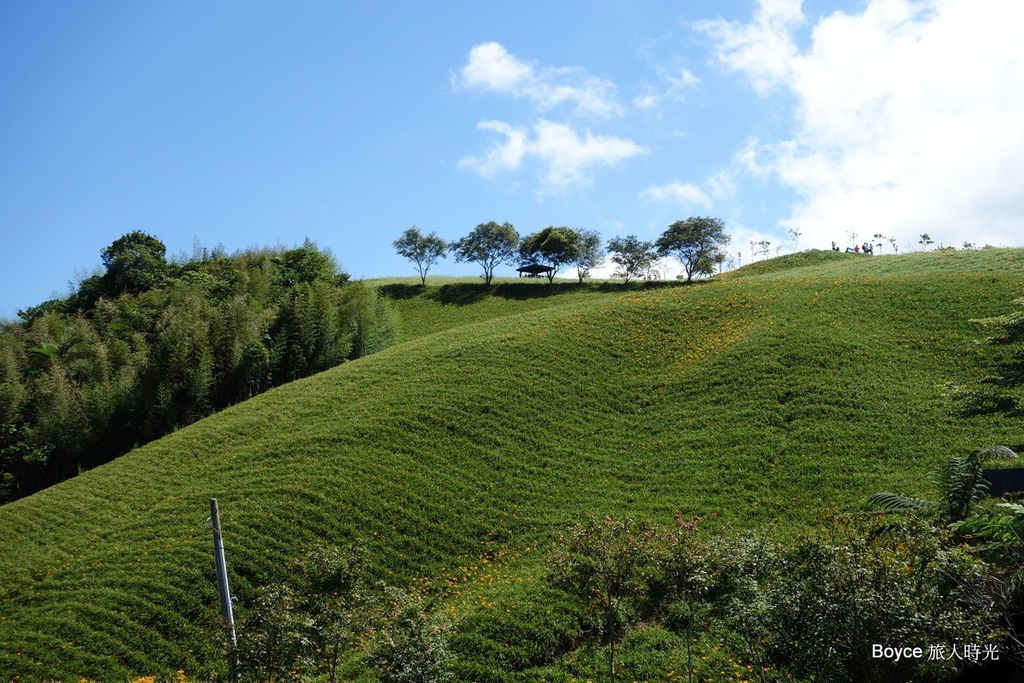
x: 697, y: 243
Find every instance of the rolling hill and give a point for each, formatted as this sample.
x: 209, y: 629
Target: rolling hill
x: 505, y: 414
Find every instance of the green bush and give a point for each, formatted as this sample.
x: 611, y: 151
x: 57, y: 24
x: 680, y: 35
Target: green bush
x: 834, y: 595
x: 410, y: 645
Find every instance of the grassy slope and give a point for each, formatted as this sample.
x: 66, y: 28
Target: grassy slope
x: 759, y: 398
x: 448, y: 303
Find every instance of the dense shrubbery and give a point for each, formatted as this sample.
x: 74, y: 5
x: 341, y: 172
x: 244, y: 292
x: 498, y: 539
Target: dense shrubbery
x: 813, y: 608
x: 150, y: 346
x: 329, y: 621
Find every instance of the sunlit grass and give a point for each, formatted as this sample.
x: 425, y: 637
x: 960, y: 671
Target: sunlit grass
x: 446, y: 303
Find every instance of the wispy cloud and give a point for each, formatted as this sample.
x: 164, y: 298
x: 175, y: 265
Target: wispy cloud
x: 503, y: 156
x: 676, y: 84
x: 764, y: 49
x: 677, y: 193
x: 567, y: 158
x: 651, y: 99
x: 491, y: 67
x: 907, y: 118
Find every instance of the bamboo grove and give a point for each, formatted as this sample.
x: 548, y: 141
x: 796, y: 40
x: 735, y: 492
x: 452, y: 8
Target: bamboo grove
x: 151, y: 345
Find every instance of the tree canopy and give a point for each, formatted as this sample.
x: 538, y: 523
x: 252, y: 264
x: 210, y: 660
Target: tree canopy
x: 306, y: 264
x: 135, y: 262
x: 488, y: 245
x: 697, y: 242
x: 556, y: 247
x: 589, y: 254
x: 423, y: 250
x: 633, y: 258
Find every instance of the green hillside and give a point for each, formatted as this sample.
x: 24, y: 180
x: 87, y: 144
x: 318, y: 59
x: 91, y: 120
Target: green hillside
x: 458, y: 454
x: 447, y: 303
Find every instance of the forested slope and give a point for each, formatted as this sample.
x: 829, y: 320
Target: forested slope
x: 150, y: 345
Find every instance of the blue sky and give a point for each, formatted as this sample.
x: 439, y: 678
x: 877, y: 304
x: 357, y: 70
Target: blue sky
x: 249, y: 123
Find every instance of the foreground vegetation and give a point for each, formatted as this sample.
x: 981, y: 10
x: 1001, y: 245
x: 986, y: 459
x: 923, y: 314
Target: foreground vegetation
x: 460, y: 456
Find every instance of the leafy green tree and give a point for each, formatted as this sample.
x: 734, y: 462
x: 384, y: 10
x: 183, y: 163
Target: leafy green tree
x: 589, y: 255
x: 238, y: 329
x: 255, y: 274
x: 134, y: 263
x: 182, y: 371
x: 423, y: 250
x: 374, y: 321
x: 410, y: 644
x: 744, y: 569
x: 88, y: 292
x: 22, y: 460
x: 632, y: 257
x: 841, y: 591
x: 333, y: 579
x: 304, y: 628
x: 687, y: 577
x: 697, y: 242
x: 610, y: 565
x: 555, y: 247
x: 21, y: 464
x: 489, y: 245
x: 312, y: 331
x: 307, y: 264
x: 274, y: 636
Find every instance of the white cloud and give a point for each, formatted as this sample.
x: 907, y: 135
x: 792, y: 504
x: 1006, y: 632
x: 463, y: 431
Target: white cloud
x: 721, y: 185
x: 907, y: 116
x: 649, y: 100
x: 763, y: 49
x: 683, y: 79
x: 676, y: 192
x: 491, y: 67
x: 502, y: 157
x: 679, y: 82
x: 664, y: 269
x: 566, y: 157
x: 675, y: 81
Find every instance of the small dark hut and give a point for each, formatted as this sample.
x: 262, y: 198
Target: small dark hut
x: 1003, y: 481
x: 534, y: 270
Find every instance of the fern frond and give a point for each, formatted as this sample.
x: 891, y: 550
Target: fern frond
x: 895, y: 502
x: 996, y: 453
